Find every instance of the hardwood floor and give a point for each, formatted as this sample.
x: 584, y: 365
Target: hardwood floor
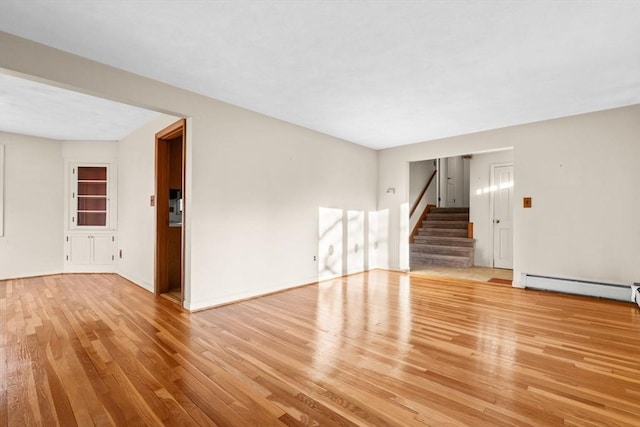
x: 381, y: 348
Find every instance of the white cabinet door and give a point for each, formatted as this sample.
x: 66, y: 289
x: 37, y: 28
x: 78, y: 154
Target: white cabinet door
x: 102, y: 250
x: 80, y: 249
x: 90, y: 253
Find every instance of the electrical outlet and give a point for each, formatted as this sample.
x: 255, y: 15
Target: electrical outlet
x: 315, y: 258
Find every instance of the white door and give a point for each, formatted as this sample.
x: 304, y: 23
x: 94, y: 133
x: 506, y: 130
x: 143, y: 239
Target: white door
x: 502, y: 190
x: 455, y: 182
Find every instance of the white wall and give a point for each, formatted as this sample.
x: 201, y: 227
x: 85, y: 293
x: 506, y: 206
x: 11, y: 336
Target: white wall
x: 254, y: 184
x: 136, y: 217
x: 32, y: 242
x: 582, y: 174
x: 479, y: 203
x: 419, y: 174
x: 258, y: 186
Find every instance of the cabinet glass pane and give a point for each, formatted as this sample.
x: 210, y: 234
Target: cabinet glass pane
x: 92, y: 218
x: 92, y: 203
x: 92, y: 188
x: 92, y: 173
x: 91, y: 193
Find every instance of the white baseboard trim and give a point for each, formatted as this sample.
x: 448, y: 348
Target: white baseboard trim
x: 616, y: 291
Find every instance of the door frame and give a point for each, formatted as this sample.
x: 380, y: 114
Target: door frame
x: 161, y: 270
x: 492, y: 201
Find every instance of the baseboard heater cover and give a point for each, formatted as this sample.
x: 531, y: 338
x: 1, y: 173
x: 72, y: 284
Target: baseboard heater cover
x: 583, y: 287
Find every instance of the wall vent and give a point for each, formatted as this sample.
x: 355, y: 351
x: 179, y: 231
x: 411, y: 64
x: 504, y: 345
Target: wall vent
x: 583, y: 287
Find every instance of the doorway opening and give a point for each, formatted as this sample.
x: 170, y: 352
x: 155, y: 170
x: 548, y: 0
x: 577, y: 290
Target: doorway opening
x: 482, y: 182
x: 170, y: 215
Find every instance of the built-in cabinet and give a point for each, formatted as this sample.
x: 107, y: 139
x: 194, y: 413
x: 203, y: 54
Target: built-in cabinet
x: 90, y: 235
x: 90, y: 252
x: 89, y: 196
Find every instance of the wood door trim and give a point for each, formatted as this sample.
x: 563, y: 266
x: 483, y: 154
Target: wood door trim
x: 162, y: 199
x: 173, y: 130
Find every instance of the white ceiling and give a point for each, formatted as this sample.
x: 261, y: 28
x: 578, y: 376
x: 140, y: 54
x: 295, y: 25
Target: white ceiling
x: 378, y: 73
x: 31, y: 108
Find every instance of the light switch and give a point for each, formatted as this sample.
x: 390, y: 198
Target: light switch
x: 526, y: 202
x: 152, y: 200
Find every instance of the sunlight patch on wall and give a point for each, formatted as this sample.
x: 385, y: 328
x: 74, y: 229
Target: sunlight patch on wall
x: 351, y: 241
x: 355, y: 242
x: 403, y: 248
x: 494, y: 188
x: 382, y: 239
x: 330, y: 243
x: 372, y: 242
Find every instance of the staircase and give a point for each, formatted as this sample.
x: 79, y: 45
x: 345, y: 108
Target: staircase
x: 442, y: 240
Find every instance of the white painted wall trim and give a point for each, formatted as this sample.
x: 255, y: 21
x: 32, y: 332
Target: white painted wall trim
x: 617, y: 291
x: 240, y: 296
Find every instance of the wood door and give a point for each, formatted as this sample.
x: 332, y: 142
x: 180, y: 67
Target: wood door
x: 502, y: 201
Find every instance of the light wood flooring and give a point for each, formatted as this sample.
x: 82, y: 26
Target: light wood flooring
x: 379, y: 348
x: 480, y: 274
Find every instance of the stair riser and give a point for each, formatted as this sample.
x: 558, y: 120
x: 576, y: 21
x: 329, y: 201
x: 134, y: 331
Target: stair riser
x: 449, y: 210
x: 445, y: 224
x: 448, y: 217
x: 424, y: 259
x: 443, y: 241
x: 443, y: 250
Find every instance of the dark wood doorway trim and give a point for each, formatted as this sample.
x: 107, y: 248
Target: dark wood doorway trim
x: 162, y: 145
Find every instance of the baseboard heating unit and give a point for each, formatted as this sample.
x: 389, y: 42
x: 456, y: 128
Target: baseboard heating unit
x: 615, y: 291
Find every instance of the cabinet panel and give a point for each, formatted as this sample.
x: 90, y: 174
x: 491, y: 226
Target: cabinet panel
x: 80, y: 249
x: 102, y: 249
x: 90, y: 253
